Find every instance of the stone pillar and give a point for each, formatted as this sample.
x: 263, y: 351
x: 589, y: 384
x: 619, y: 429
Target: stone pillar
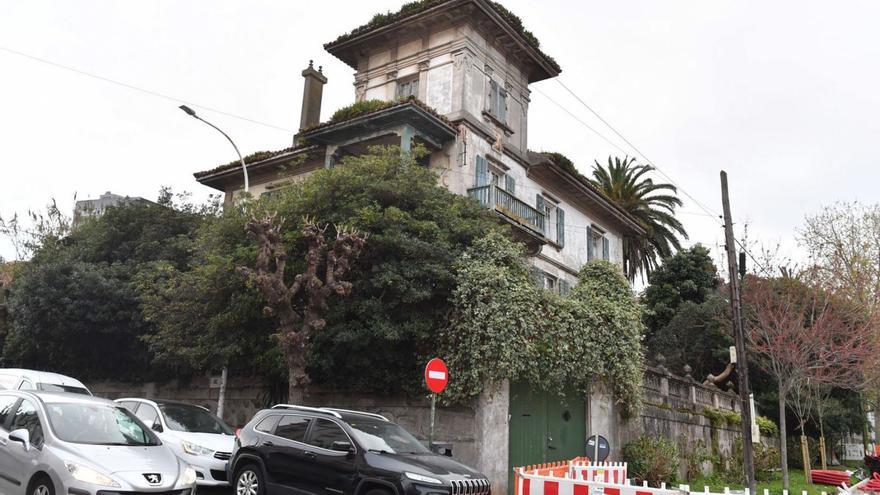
x: 602, y: 418
x: 492, y: 425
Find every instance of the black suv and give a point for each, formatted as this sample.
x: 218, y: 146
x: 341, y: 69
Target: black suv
x: 323, y: 451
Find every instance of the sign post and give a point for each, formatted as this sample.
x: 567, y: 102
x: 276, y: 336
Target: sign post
x: 436, y: 377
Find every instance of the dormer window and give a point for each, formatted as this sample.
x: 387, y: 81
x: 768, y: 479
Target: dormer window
x: 497, y: 101
x: 408, y: 87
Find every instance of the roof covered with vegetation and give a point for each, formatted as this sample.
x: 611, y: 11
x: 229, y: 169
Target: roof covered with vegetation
x: 415, y: 7
x: 367, y: 107
x: 255, y: 157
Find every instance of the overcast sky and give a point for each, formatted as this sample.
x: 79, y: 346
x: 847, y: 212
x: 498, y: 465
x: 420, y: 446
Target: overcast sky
x: 782, y: 95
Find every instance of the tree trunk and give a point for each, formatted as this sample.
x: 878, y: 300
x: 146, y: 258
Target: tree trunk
x: 783, y: 447
x: 805, y: 455
x: 297, y: 378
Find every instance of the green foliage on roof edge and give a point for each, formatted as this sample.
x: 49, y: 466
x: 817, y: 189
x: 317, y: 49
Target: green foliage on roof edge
x: 565, y: 163
x: 383, y: 19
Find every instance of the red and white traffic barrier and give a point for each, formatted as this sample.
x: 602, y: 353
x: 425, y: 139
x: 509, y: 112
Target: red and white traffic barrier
x: 607, y: 472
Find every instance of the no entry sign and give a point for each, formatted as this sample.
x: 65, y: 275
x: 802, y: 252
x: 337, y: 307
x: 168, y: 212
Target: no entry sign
x: 436, y: 375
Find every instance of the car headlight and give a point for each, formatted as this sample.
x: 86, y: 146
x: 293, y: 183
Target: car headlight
x: 193, y: 449
x: 189, y: 476
x: 423, y: 479
x: 88, y: 475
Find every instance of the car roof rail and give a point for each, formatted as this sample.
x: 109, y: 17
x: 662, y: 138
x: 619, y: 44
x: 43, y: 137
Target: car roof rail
x: 374, y: 415
x: 306, y: 408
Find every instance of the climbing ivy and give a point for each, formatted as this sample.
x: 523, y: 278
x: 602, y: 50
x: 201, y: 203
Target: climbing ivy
x: 503, y: 327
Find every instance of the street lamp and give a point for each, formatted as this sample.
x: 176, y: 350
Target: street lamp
x: 221, y: 399
x: 192, y: 113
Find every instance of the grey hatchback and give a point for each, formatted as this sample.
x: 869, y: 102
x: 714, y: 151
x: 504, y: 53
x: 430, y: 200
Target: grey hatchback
x: 79, y: 445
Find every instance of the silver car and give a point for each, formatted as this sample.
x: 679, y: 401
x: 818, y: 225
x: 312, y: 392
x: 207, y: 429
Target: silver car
x: 79, y: 445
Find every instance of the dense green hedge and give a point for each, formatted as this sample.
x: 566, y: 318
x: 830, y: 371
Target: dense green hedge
x: 503, y: 327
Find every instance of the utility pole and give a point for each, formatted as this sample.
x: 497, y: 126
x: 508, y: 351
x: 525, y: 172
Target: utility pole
x: 742, y: 366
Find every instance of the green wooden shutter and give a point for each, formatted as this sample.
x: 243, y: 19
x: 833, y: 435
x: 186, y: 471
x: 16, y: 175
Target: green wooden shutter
x: 509, y: 184
x: 502, y: 105
x: 482, y: 171
x: 605, y: 248
x: 560, y: 226
x: 590, y: 253
x: 541, y: 206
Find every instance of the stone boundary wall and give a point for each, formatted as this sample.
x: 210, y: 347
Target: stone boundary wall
x: 477, y: 431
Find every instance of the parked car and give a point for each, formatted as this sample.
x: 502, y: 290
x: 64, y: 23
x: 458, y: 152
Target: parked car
x: 295, y: 449
x: 198, y: 437
x: 20, y: 379
x: 61, y: 443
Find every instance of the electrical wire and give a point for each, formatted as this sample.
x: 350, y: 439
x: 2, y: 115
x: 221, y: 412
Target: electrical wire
x: 647, y: 160
x: 142, y: 90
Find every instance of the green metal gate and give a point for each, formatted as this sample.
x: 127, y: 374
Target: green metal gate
x: 544, y: 427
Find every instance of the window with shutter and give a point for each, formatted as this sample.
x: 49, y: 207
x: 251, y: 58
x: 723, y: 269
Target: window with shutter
x: 605, y: 248
x: 510, y: 184
x: 591, y: 253
x: 541, y: 206
x: 560, y: 226
x: 564, y: 288
x: 482, y: 171
x: 497, y: 101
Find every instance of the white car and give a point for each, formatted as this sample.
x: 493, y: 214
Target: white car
x: 74, y: 444
x: 197, y: 436
x: 20, y: 379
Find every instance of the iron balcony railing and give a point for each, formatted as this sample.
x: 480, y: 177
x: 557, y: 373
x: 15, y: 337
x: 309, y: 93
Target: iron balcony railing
x: 510, y: 206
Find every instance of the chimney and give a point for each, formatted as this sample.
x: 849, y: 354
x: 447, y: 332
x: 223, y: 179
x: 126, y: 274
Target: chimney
x: 312, y: 92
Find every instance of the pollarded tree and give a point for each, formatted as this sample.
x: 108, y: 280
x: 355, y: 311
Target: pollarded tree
x: 653, y: 204
x: 299, y: 302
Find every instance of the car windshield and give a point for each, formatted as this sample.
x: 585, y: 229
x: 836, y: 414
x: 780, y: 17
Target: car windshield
x: 54, y: 387
x: 382, y: 436
x: 98, y: 424
x: 193, y: 419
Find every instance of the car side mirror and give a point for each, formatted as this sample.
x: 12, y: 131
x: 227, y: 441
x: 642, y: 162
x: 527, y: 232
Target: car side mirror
x: 157, y: 427
x: 22, y: 436
x: 342, y: 446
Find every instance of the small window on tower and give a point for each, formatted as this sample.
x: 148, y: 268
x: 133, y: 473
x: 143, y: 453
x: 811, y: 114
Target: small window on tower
x: 408, y: 87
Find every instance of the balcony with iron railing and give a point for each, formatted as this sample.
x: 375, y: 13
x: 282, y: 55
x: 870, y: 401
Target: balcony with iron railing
x: 513, y: 209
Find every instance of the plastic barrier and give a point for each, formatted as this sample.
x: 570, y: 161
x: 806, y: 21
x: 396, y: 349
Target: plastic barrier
x: 607, y: 472
x: 555, y: 479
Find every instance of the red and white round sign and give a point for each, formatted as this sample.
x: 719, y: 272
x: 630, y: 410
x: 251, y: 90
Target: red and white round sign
x: 436, y: 375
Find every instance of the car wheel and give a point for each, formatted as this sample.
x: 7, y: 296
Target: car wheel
x: 248, y: 481
x: 42, y: 486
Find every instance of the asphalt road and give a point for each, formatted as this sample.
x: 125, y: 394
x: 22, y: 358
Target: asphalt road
x: 213, y: 490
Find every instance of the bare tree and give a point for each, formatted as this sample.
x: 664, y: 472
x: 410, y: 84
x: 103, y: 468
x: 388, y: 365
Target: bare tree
x: 808, y: 338
x: 299, y: 305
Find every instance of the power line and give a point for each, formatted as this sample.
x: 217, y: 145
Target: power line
x: 142, y: 90
x: 709, y: 211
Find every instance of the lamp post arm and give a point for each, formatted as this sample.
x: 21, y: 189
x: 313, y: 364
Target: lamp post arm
x: 240, y: 159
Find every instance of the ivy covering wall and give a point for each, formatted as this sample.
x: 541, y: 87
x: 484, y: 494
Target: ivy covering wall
x: 503, y: 327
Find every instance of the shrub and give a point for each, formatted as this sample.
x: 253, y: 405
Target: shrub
x: 651, y: 459
x: 767, y: 460
x: 767, y: 426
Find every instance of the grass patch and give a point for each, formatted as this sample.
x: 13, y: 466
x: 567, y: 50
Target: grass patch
x: 797, y: 484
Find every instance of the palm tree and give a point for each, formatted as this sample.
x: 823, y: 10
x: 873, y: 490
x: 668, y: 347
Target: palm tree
x: 652, y: 204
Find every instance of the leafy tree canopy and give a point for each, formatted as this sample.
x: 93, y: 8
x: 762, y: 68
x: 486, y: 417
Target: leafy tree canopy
x: 74, y: 307
x: 687, y: 276
x: 376, y: 338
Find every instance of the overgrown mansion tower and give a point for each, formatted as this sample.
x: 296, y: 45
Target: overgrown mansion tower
x: 455, y: 77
